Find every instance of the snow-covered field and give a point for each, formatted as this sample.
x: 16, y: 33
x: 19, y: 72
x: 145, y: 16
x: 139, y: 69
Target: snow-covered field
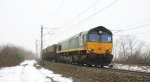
x: 132, y: 67
x: 29, y: 71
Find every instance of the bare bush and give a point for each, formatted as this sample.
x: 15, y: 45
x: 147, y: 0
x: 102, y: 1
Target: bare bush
x: 11, y: 55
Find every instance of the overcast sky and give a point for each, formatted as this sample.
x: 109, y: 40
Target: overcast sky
x: 21, y: 20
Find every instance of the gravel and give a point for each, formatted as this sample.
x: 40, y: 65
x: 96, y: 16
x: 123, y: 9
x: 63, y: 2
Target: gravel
x: 93, y: 74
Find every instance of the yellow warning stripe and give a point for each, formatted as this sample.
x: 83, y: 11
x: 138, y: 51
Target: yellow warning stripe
x: 71, y: 50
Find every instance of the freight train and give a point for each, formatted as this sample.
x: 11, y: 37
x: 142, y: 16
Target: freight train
x: 92, y: 47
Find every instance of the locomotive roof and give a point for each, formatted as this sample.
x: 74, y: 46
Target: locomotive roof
x: 99, y: 28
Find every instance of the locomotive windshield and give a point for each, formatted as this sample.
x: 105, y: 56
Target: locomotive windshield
x: 94, y: 37
x: 100, y: 38
x: 105, y: 38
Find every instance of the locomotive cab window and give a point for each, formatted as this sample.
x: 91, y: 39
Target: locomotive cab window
x: 106, y: 38
x: 94, y: 37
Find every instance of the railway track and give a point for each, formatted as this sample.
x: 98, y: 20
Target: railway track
x: 119, y: 70
x: 111, y: 69
x: 128, y: 71
x: 97, y: 74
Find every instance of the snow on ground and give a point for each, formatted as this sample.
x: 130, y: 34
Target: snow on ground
x: 132, y: 67
x: 29, y: 71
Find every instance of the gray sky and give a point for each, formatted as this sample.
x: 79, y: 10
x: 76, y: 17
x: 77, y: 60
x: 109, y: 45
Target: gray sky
x: 20, y: 20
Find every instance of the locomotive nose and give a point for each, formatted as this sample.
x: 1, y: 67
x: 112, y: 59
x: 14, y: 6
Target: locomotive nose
x: 105, y: 48
x: 99, y: 48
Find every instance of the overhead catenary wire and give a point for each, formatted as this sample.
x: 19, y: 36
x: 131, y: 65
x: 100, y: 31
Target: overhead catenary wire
x: 79, y: 15
x: 144, y: 32
x: 83, y: 12
x: 94, y: 14
x: 131, y: 25
x: 59, y: 7
x: 135, y: 27
x: 142, y: 21
x: 98, y: 12
x: 140, y: 26
x: 138, y: 33
x: 104, y: 8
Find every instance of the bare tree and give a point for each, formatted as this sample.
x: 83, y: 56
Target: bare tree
x: 147, y: 52
x: 115, y: 50
x: 131, y: 43
x: 140, y: 46
x: 123, y: 45
x: 130, y: 50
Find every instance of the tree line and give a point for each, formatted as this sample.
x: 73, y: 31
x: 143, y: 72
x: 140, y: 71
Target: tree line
x: 11, y: 55
x: 128, y: 49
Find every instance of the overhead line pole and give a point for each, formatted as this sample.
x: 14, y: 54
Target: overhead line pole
x: 36, y: 48
x: 41, y: 57
x: 41, y: 42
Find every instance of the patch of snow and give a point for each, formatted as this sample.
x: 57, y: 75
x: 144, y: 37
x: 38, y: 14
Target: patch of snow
x: 55, y: 77
x: 27, y: 72
x: 28, y: 62
x: 132, y: 67
x: 10, y: 74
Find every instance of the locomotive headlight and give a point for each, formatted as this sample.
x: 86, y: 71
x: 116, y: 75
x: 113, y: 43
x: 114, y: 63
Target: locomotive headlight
x: 100, y: 32
x: 90, y: 50
x: 108, y: 50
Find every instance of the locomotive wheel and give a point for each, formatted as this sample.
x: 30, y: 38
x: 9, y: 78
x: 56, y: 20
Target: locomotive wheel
x: 97, y: 66
x: 102, y: 66
x: 89, y: 65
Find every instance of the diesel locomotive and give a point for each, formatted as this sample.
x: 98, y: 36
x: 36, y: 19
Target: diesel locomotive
x: 92, y: 47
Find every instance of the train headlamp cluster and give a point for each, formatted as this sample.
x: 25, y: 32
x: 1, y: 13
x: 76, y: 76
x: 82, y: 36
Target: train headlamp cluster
x: 108, y: 50
x: 100, y: 32
x: 90, y: 50
x: 99, y: 51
